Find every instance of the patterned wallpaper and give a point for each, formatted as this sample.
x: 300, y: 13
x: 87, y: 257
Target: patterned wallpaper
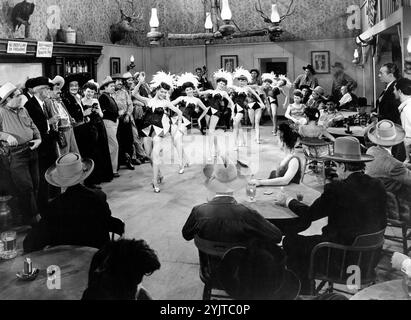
x: 313, y: 19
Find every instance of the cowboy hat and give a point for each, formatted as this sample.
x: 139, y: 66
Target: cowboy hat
x: 118, y: 76
x: 226, y: 176
x: 311, y: 68
x: 348, y: 149
x: 108, y: 80
x: 29, y: 83
x: 81, y: 79
x: 6, y: 90
x: 41, y: 82
x: 386, y: 133
x: 338, y: 65
x: 257, y: 274
x: 69, y: 170
x: 58, y: 81
x: 127, y: 75
x: 320, y: 91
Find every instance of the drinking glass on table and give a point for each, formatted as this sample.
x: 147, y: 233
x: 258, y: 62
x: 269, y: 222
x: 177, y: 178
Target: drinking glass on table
x: 251, y: 191
x: 9, y: 240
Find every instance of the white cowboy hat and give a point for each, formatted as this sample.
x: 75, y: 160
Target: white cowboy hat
x: 127, y: 75
x: 106, y: 81
x: 6, y: 90
x: 386, y: 133
x: 226, y: 177
x: 58, y: 81
x: 69, y: 170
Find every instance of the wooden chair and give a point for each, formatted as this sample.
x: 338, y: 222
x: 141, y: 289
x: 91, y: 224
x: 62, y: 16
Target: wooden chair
x: 365, y: 253
x: 316, y: 158
x: 211, y: 254
x: 116, y: 227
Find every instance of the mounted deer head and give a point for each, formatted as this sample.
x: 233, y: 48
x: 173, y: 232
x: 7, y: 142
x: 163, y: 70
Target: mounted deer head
x: 119, y: 30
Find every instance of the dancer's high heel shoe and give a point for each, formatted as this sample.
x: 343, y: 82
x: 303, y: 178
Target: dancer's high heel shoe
x: 160, y: 180
x: 156, y: 189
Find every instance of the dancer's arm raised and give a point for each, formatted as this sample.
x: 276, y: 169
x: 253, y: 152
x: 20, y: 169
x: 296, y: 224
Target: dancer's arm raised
x: 136, y: 94
x: 255, y: 94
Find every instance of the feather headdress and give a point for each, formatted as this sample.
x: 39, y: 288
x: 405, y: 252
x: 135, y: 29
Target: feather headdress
x: 162, y: 77
x: 287, y: 81
x: 222, y: 74
x: 268, y: 76
x: 187, y: 78
x: 94, y: 83
x: 240, y: 72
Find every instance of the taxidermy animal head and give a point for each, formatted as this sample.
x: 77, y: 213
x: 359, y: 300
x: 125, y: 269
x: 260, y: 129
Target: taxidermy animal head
x: 21, y: 14
x: 119, y: 30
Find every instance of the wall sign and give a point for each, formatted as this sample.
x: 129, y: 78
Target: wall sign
x: 44, y: 49
x: 16, y: 47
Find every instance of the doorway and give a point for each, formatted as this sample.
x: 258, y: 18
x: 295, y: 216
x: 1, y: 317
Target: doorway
x: 276, y: 65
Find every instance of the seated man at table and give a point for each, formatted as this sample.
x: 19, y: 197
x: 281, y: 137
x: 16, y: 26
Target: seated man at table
x: 117, y: 271
x: 354, y: 206
x: 80, y: 216
x: 395, y: 175
x: 330, y: 117
x: 223, y: 219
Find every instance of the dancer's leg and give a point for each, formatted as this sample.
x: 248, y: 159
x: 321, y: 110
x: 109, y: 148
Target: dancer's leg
x: 251, y: 114
x: 274, y: 108
x: 179, y: 145
x: 212, y: 136
x: 148, y: 147
x: 237, y: 129
x: 258, y: 114
x: 157, y: 147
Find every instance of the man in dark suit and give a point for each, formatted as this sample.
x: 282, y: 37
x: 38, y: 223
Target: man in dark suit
x: 354, y: 206
x: 42, y: 119
x: 80, y: 216
x: 387, y: 103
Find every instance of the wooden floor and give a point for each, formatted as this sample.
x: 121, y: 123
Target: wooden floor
x: 159, y: 218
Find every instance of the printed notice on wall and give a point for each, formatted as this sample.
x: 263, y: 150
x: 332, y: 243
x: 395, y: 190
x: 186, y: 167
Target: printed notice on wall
x: 44, y: 49
x: 16, y: 47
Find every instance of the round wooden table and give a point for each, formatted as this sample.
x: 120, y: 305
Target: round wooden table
x: 265, y: 204
x: 357, y: 131
x: 390, y: 290
x: 74, y: 263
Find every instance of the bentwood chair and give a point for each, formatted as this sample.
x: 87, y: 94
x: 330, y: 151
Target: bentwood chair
x: 312, y: 148
x: 211, y: 253
x: 334, y: 263
x: 116, y: 227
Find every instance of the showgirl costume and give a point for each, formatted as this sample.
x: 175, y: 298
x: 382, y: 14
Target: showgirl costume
x: 242, y: 98
x: 216, y: 101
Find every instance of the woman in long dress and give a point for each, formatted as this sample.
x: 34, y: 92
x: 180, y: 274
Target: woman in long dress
x: 241, y: 95
x: 217, y: 99
x: 103, y: 171
x: 189, y: 106
x: 156, y: 123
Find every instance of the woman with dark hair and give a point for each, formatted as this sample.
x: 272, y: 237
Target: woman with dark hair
x: 272, y: 89
x: 245, y: 98
x: 156, y: 123
x: 103, y: 171
x: 117, y: 270
x: 217, y: 99
x: 295, y: 111
x: 189, y: 106
x: 307, y: 92
x: 289, y: 170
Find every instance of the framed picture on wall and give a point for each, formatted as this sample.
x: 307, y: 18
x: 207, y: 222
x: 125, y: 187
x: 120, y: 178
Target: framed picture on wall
x: 320, y: 60
x: 115, y: 66
x: 229, y: 63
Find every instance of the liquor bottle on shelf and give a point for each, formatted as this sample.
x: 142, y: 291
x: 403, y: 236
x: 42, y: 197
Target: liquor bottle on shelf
x: 79, y: 67
x: 68, y: 68
x: 85, y: 69
x: 73, y: 67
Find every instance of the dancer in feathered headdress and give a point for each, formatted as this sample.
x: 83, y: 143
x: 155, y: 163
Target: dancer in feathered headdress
x: 218, y: 100
x: 269, y: 78
x: 241, y: 96
x: 156, y: 122
x: 187, y: 80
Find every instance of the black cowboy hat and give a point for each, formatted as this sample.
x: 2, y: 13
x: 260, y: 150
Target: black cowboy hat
x: 29, y: 83
x: 311, y: 68
x: 265, y: 278
x: 80, y: 78
x: 41, y: 81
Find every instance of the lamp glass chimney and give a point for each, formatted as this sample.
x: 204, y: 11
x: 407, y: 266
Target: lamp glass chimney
x: 409, y: 45
x: 226, y: 14
x: 154, y: 23
x: 275, y: 15
x: 356, y: 54
x: 132, y: 59
x: 208, y: 23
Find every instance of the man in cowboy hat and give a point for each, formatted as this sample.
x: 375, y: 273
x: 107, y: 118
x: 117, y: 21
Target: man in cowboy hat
x: 395, y: 175
x: 44, y: 122
x: 66, y: 141
x: 223, y: 219
x: 110, y: 117
x: 306, y: 79
x: 18, y: 156
x: 317, y: 98
x: 340, y: 79
x: 355, y: 205
x: 125, y: 126
x: 80, y: 216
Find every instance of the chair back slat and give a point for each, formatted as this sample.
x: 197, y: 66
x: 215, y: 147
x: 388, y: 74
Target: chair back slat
x: 214, y: 248
x: 369, y: 239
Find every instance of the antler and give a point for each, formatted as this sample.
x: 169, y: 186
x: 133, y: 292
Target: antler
x: 259, y: 9
x: 289, y: 12
x: 133, y: 17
